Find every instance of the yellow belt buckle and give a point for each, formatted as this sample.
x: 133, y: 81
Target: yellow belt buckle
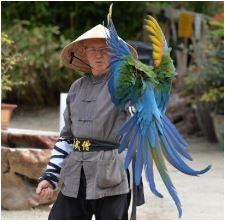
x: 86, y: 145
x: 76, y: 144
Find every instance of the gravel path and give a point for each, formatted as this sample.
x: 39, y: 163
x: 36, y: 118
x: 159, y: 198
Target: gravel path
x: 202, y: 197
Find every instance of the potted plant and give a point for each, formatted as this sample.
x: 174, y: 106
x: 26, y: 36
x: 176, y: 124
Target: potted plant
x: 215, y: 94
x: 204, y: 82
x: 9, y: 58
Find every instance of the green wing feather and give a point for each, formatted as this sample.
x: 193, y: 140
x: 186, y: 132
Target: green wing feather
x: 132, y: 79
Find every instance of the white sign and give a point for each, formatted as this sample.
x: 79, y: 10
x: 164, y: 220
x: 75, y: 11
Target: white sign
x: 62, y: 109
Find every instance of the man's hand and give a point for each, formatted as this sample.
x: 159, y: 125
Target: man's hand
x: 44, y: 189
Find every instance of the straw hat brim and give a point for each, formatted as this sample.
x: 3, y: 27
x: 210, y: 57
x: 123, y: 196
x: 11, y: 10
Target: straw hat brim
x: 74, y: 56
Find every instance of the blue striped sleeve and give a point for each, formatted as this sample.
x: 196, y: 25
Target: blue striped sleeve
x: 61, y: 150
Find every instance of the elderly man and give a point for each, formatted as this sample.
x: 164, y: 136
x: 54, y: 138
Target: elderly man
x: 85, y: 157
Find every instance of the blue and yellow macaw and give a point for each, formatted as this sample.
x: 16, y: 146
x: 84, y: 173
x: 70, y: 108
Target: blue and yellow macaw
x: 149, y: 135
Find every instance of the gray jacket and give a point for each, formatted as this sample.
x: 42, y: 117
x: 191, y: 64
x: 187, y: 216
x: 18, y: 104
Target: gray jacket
x: 90, y: 113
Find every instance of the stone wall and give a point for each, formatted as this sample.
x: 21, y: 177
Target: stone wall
x: 25, y: 155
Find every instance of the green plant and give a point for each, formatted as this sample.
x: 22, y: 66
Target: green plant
x: 205, y: 79
x: 41, y: 66
x: 68, y: 16
x: 9, y: 59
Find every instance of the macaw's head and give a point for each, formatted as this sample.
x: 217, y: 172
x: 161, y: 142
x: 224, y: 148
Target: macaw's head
x: 89, y: 52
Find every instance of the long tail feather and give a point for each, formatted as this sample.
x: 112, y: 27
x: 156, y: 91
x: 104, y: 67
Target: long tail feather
x: 176, y: 161
x: 139, y: 160
x: 148, y: 165
x: 159, y: 161
x: 173, y: 128
x: 131, y: 148
x: 178, y: 146
x: 128, y: 125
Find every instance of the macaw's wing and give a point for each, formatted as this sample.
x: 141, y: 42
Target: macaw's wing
x: 164, y: 67
x: 125, y: 84
x: 148, y: 134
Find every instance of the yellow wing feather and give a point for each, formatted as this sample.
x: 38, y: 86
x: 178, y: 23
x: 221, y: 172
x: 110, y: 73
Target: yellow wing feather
x: 156, y: 56
x: 151, y: 24
x: 156, y: 38
x: 156, y: 48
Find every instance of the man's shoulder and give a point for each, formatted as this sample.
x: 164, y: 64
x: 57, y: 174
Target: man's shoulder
x: 78, y: 82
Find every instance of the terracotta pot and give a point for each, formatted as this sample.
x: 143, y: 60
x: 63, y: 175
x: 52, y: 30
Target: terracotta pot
x: 6, y: 112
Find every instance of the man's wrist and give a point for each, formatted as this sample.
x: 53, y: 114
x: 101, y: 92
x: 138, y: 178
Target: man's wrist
x: 44, y: 177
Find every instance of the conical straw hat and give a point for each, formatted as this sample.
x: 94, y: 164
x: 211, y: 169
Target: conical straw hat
x: 73, y: 55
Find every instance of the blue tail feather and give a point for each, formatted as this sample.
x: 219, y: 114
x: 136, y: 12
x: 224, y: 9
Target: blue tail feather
x: 131, y: 148
x: 173, y: 128
x: 139, y: 160
x: 126, y: 133
x: 124, y: 142
x: 148, y: 165
x: 179, y: 147
x: 176, y: 161
x: 152, y: 134
x: 128, y: 125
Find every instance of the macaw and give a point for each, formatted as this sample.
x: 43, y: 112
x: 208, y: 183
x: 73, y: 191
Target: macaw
x: 148, y: 135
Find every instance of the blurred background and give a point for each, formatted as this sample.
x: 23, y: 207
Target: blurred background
x: 33, y: 36
x: 33, y: 77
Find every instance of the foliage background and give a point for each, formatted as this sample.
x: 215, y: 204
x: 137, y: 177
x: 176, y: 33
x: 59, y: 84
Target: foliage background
x: 41, y: 29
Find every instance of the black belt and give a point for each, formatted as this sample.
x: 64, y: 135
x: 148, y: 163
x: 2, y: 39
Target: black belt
x: 87, y: 145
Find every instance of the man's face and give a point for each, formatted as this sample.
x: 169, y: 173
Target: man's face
x: 97, y: 55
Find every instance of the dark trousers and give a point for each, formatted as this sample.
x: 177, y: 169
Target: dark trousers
x: 111, y: 207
